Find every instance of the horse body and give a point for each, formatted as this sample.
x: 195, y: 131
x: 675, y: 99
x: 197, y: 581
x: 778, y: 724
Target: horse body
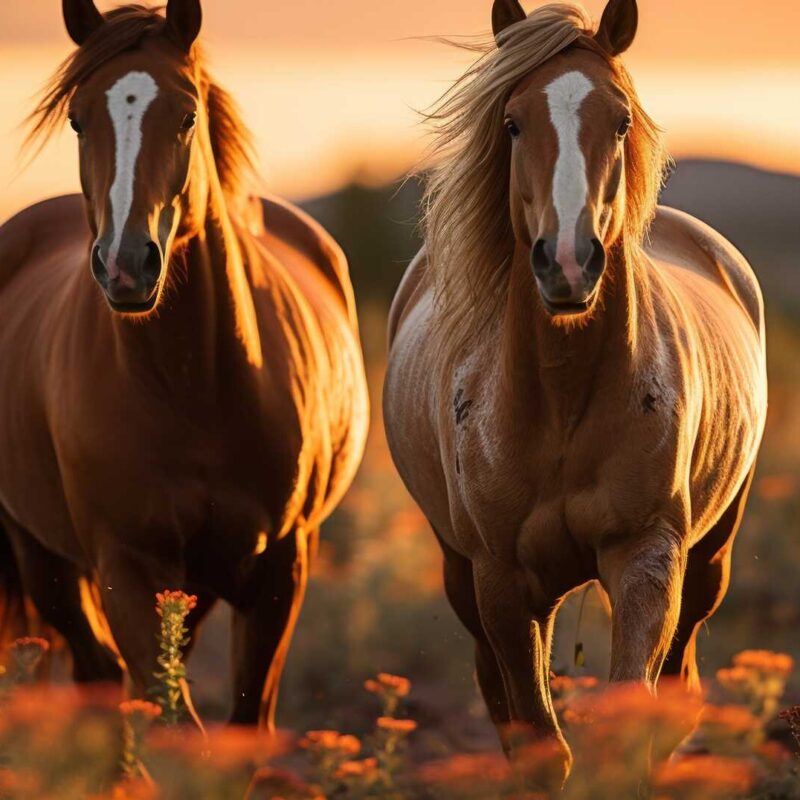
x: 266, y: 446
x: 542, y: 452
x: 526, y: 448
x: 195, y: 434
x: 571, y: 404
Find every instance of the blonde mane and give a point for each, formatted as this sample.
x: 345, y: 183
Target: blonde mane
x: 466, y: 215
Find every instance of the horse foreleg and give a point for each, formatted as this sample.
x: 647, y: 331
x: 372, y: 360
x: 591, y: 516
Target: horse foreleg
x: 262, y: 632
x: 459, y: 585
x: 129, y: 579
x: 519, y: 629
x: 643, y: 578
x: 53, y: 584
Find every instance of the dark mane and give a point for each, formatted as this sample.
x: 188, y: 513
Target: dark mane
x: 125, y: 28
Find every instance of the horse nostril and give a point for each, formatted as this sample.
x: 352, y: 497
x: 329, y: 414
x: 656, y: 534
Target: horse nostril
x: 98, y: 267
x: 539, y: 258
x: 597, y: 260
x: 151, y: 269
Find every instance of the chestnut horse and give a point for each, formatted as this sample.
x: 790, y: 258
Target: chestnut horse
x: 189, y: 418
x: 568, y: 398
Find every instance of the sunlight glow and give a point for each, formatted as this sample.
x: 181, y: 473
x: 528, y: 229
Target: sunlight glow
x: 321, y: 121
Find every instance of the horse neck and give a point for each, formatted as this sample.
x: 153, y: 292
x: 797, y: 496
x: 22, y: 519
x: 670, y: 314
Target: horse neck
x: 553, y: 366
x: 207, y: 316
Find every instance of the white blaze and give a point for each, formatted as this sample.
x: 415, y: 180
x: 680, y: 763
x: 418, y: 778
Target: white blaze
x: 570, y: 187
x: 128, y: 99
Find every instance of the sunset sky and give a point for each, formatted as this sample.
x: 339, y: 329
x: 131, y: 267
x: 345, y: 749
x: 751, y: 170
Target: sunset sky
x: 330, y: 88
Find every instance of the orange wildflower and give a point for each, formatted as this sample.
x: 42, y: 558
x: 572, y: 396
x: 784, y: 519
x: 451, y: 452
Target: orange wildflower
x: 134, y: 789
x: 331, y: 740
x: 633, y: 701
x: 16, y: 782
x: 561, y: 684
x: 732, y: 719
x: 270, y: 783
x: 564, y: 684
x: 765, y: 661
x: 466, y: 770
x: 401, y: 726
x: 348, y: 744
x: 176, y: 601
x: 709, y: 772
x: 734, y: 677
x: 364, y: 768
x: 222, y: 746
x: 142, y: 708
x: 774, y: 753
x: 387, y: 683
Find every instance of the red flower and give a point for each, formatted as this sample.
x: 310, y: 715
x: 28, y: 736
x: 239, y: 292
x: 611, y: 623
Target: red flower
x: 175, y: 601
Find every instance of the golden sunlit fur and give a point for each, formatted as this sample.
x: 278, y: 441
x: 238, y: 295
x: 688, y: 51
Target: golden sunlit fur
x: 467, y: 226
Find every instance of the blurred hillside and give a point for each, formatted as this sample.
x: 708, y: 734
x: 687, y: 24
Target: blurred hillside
x: 758, y: 211
x: 376, y: 602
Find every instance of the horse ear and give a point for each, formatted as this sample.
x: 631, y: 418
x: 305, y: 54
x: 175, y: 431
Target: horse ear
x: 81, y: 18
x: 505, y: 13
x: 184, y: 18
x: 618, y: 26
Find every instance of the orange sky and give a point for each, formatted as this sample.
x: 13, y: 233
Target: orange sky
x: 330, y: 87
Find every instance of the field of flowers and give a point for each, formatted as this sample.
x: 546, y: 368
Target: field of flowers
x: 62, y: 742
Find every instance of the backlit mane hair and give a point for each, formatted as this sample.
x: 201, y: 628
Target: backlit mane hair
x: 466, y: 214
x: 124, y: 29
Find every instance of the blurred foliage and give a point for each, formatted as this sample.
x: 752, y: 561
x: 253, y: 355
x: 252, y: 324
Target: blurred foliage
x: 75, y: 743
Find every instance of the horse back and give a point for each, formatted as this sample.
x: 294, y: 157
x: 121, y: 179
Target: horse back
x: 62, y: 219
x: 679, y: 238
x: 410, y: 286
x: 283, y: 225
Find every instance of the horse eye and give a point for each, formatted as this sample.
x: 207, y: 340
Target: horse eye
x: 624, y: 127
x: 512, y: 128
x: 189, y: 121
x: 73, y: 123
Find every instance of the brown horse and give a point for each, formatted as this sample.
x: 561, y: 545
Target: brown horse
x: 567, y: 400
x: 191, y: 421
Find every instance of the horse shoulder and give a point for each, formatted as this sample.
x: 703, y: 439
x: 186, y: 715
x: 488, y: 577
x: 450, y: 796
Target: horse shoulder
x: 45, y: 224
x: 406, y: 292
x: 679, y: 237
x: 284, y: 222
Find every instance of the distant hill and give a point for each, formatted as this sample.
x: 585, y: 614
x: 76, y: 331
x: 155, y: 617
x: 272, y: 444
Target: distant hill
x: 758, y: 211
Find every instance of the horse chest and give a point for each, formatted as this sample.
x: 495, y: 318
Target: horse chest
x: 525, y: 489
x: 145, y: 463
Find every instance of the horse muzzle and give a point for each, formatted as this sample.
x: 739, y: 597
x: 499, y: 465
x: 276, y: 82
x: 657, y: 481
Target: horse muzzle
x: 568, y: 281
x: 129, y: 277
